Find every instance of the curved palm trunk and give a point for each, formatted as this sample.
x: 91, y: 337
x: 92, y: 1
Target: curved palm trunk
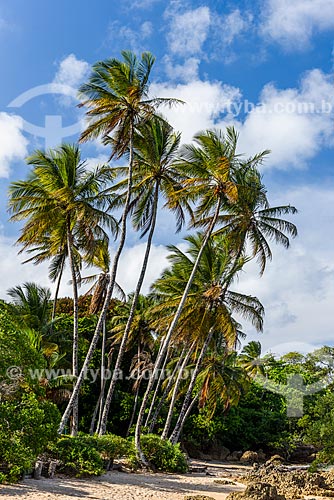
x: 161, y: 376
x: 187, y: 400
x: 109, y: 292
x: 165, y: 393
x: 175, y: 392
x: 103, y: 426
x: 75, y: 368
x: 54, y: 307
x: 99, y: 404
x: 168, y: 337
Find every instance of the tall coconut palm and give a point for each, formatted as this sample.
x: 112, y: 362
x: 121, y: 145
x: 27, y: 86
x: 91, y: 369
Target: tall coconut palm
x: 211, y: 163
x: 116, y: 96
x: 251, y: 222
x: 155, y: 176
x: 63, y: 200
x: 209, y: 308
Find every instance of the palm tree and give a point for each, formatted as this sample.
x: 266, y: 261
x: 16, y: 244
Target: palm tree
x: 155, y: 149
x: 209, y: 307
x: 250, y: 222
x: 117, y: 99
x: 211, y: 163
x: 31, y: 305
x: 250, y: 359
x: 63, y: 201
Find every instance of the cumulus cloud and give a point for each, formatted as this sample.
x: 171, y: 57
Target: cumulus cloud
x: 292, y: 24
x: 204, y: 103
x: 13, y: 144
x: 129, y: 38
x: 294, y: 123
x: 71, y: 71
x: 299, y: 305
x: 229, y: 27
x: 185, y: 72
x: 188, y: 31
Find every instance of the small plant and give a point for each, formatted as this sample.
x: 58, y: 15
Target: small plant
x: 78, y: 455
x: 112, y: 447
x: 161, y: 454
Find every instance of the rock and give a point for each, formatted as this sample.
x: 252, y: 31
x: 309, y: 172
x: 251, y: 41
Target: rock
x: 197, y: 497
x: 224, y: 481
x: 303, y: 454
x: 292, y: 483
x: 249, y: 457
x: 234, y: 456
x: 261, y: 455
x: 214, y: 452
x: 257, y: 491
x: 275, y: 459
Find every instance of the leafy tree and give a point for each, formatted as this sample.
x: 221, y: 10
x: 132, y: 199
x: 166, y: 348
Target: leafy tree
x: 65, y: 201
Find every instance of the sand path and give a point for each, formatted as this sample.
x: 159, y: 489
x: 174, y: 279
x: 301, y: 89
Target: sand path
x: 122, y: 486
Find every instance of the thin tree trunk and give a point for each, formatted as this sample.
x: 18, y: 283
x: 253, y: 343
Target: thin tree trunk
x: 103, y: 349
x: 190, y: 407
x: 168, y: 337
x: 180, y: 421
x: 169, y: 417
x: 165, y: 393
x: 103, y: 426
x: 133, y: 411
x: 101, y: 397
x: 56, y: 294
x: 161, y: 376
x: 136, y: 395
x: 108, y: 296
x: 75, y: 368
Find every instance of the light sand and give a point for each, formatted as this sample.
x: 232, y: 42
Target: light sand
x: 123, y: 486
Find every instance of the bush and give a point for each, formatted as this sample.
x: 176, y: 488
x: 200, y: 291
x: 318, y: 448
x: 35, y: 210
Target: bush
x: 26, y: 426
x: 111, y: 447
x: 161, y: 454
x: 78, y: 455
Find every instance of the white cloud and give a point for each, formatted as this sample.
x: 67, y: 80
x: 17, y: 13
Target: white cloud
x: 129, y: 38
x: 183, y: 72
x: 285, y: 121
x: 13, y: 144
x: 188, y: 31
x: 231, y: 26
x: 293, y: 23
x: 93, y: 162
x: 204, y: 103
x: 71, y: 71
x: 294, y: 123
x: 297, y: 288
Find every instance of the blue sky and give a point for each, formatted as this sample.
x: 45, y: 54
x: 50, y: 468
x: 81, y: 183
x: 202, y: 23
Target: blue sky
x: 265, y: 66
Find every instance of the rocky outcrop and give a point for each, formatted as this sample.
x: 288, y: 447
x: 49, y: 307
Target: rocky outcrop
x: 293, y: 483
x: 198, y: 497
x: 257, y: 491
x: 249, y: 457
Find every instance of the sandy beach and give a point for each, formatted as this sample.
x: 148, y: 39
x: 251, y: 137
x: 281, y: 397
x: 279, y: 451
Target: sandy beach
x: 123, y: 486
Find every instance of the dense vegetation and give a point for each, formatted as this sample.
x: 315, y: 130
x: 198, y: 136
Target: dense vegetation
x: 136, y: 374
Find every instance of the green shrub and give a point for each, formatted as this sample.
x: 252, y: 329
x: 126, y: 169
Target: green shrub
x: 111, y: 446
x: 78, y: 455
x: 161, y: 454
x: 26, y: 427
